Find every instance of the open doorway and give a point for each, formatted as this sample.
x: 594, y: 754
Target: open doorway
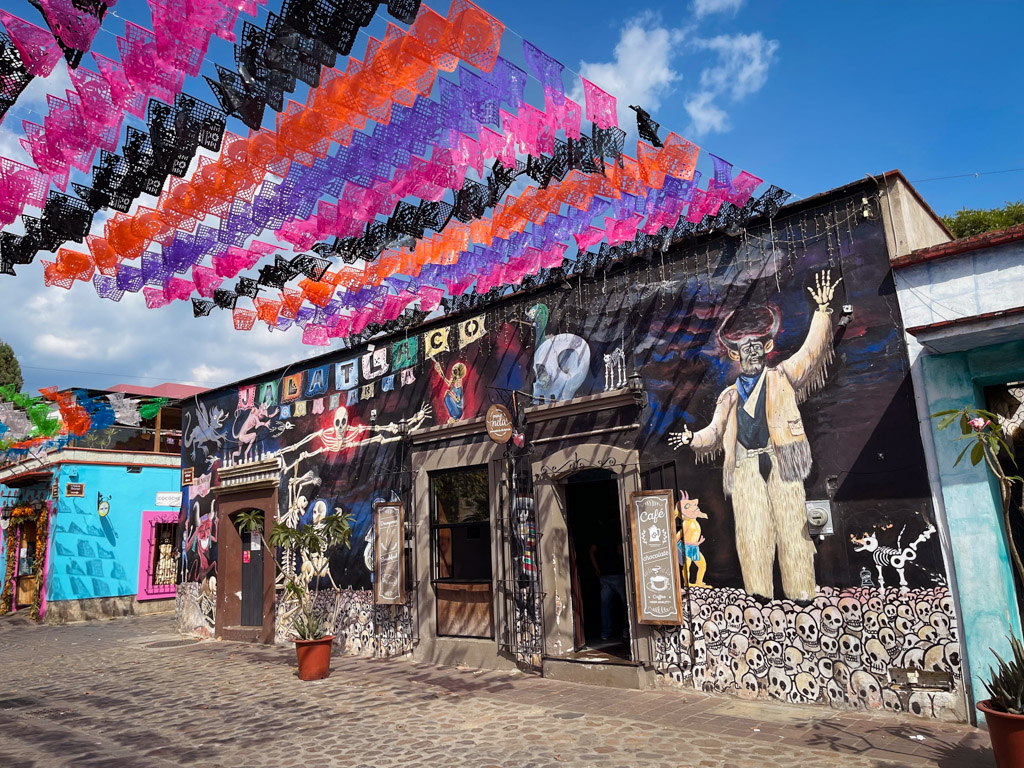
x: 597, y: 559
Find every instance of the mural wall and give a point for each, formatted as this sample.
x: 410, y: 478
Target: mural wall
x: 96, y: 538
x: 777, y: 377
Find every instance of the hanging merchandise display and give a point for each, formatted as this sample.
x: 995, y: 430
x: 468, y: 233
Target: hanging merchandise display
x: 417, y: 177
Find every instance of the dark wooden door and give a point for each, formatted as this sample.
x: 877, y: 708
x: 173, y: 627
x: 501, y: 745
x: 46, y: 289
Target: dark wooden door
x: 578, y: 631
x: 252, y: 581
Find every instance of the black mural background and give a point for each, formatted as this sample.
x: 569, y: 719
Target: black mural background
x: 665, y: 314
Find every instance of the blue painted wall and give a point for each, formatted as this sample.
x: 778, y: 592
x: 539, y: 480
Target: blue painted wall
x: 973, y: 509
x: 93, y: 556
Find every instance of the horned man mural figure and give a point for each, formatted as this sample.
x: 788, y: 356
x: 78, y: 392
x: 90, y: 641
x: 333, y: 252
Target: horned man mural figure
x: 757, y: 424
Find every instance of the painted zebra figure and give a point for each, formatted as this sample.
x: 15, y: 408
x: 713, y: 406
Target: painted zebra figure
x: 895, y: 557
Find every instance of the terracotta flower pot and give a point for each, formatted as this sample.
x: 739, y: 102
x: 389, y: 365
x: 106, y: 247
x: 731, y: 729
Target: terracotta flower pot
x: 1007, y: 734
x: 314, y: 658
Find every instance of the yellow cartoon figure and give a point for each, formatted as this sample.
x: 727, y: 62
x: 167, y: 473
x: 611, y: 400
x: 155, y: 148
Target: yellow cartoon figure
x: 689, y: 539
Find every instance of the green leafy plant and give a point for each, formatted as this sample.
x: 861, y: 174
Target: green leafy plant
x: 983, y: 438
x: 1006, y: 687
x: 320, y: 538
x: 984, y: 441
x: 974, y: 221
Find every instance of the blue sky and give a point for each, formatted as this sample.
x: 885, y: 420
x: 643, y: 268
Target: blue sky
x: 807, y: 95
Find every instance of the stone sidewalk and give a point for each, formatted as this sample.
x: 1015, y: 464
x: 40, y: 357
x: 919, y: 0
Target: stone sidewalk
x: 130, y: 692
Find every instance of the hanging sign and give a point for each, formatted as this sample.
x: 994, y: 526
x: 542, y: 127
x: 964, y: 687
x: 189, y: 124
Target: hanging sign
x: 389, y: 553
x: 498, y: 422
x: 655, y: 566
x: 74, y: 490
x: 188, y: 475
x: 168, y: 498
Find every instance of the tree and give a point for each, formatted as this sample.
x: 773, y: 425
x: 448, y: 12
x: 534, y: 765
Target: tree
x: 974, y: 221
x: 10, y: 370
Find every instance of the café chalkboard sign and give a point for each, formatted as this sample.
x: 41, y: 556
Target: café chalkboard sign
x: 655, y: 566
x: 389, y: 553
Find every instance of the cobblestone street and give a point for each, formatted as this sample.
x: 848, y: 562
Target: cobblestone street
x: 130, y: 692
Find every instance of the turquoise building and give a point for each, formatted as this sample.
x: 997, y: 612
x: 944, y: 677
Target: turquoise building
x: 89, y: 531
x: 964, y: 315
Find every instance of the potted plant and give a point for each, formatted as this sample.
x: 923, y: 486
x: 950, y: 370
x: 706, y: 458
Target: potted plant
x: 1004, y: 710
x: 315, y: 542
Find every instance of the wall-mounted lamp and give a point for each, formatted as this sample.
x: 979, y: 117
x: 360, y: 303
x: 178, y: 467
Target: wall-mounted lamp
x: 403, y: 429
x: 635, y: 383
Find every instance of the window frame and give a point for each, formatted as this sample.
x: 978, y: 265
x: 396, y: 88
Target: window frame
x: 435, y: 526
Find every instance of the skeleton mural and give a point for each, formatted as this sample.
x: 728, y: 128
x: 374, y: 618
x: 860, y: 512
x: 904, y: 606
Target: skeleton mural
x: 896, y: 557
x: 735, y: 363
x: 838, y: 650
x: 343, y: 435
x: 614, y: 370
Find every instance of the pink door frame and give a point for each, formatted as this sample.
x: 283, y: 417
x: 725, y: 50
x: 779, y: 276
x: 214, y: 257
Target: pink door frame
x: 147, y: 547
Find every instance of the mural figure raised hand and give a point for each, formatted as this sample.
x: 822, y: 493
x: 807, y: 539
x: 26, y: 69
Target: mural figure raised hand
x: 758, y: 427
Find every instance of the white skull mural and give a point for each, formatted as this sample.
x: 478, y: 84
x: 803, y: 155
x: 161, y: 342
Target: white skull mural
x: 837, y: 649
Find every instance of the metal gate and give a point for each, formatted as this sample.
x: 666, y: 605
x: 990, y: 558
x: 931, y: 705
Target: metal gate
x: 520, y: 597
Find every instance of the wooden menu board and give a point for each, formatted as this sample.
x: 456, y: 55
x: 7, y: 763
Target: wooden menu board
x: 389, y: 553
x: 655, y: 565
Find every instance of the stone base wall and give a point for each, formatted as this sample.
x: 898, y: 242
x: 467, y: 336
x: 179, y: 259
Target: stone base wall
x: 195, y: 608
x: 63, y: 611
x: 362, y: 628
x: 839, y: 651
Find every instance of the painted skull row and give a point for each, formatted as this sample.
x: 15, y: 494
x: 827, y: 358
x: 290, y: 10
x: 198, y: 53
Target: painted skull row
x: 837, y: 649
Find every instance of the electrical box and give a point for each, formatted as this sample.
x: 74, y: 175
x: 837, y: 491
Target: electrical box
x: 819, y: 517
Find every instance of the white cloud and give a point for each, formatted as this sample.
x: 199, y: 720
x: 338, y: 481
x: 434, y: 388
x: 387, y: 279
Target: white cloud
x: 204, y: 372
x: 743, y: 62
x: 703, y: 8
x: 646, y: 65
x: 704, y: 115
x: 742, y: 65
x: 642, y: 71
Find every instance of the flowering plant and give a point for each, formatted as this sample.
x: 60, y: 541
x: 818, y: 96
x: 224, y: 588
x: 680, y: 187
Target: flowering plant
x: 983, y: 437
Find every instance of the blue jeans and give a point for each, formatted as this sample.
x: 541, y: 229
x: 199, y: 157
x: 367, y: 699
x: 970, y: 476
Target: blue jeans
x: 611, y: 586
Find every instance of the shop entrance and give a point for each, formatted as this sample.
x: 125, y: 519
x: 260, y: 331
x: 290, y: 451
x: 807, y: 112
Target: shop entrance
x: 246, y: 596
x: 597, y: 562
x: 252, y: 580
x: 26, y: 567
